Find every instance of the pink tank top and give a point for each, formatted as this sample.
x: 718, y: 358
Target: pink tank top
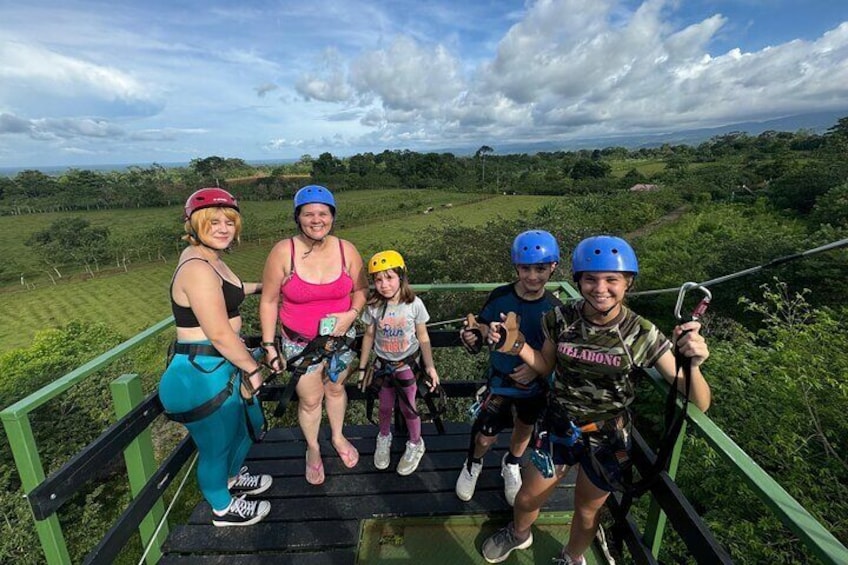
x: 303, y: 303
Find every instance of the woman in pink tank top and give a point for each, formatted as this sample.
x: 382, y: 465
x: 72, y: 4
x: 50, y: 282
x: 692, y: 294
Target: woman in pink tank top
x: 307, y: 278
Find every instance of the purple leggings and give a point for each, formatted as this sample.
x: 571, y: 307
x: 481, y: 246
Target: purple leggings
x: 387, y: 403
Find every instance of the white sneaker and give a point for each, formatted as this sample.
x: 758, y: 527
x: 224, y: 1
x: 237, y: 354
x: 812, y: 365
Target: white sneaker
x: 382, y: 453
x: 511, y: 474
x: 411, y: 457
x: 467, y: 481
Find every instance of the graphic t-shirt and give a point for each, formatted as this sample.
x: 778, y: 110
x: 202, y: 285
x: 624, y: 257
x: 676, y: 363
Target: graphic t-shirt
x: 594, y: 363
x: 394, y: 338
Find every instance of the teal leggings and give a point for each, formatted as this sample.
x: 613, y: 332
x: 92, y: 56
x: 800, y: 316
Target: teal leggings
x: 221, y: 438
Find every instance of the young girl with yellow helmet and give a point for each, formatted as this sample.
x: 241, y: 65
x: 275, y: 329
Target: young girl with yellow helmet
x: 396, y: 329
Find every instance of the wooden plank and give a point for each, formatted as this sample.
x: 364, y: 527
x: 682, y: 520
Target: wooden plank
x: 264, y: 536
x: 438, y: 461
x: 486, y: 501
x: 296, y: 449
x: 320, y: 524
x: 335, y: 557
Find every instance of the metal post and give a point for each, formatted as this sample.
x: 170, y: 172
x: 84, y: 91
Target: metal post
x: 28, y: 462
x: 656, y: 520
x: 141, y: 463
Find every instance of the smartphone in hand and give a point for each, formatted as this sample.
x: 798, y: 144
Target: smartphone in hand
x: 326, y: 325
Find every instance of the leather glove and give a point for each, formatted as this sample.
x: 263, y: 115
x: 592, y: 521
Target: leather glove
x: 471, y: 326
x: 511, y: 339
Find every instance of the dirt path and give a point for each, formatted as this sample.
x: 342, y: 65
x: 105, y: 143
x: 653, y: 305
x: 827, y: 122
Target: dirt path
x: 668, y: 218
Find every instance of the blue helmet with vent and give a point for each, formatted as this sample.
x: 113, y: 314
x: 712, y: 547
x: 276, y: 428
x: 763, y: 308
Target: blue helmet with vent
x: 314, y: 194
x: 533, y: 247
x: 604, y: 253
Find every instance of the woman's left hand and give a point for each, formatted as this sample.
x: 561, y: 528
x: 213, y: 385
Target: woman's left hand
x: 691, y: 343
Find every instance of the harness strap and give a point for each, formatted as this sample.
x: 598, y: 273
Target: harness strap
x: 674, y: 420
x: 205, y: 409
x: 194, y: 349
x: 497, y: 380
x: 320, y: 348
x: 387, y: 370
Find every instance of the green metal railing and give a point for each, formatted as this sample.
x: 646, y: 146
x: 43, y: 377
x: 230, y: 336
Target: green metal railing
x: 140, y: 461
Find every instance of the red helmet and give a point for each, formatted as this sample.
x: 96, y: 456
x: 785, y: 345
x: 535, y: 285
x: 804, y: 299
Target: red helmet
x: 209, y: 198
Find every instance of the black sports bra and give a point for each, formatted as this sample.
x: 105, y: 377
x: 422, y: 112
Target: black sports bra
x: 233, y: 297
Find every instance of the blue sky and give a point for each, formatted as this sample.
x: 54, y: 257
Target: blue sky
x: 86, y: 82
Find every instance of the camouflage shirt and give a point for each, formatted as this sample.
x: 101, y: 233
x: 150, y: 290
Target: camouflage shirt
x: 592, y: 378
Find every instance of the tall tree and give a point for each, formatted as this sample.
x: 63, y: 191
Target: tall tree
x: 481, y: 156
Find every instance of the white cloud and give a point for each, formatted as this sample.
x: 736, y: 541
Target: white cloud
x: 146, y: 79
x: 327, y: 84
x: 408, y: 76
x: 41, y: 68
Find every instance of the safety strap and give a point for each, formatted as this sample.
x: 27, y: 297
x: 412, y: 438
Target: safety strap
x: 436, y: 408
x: 319, y: 348
x: 673, y: 424
x: 205, y: 409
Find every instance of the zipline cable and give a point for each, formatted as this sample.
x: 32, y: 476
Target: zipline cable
x: 168, y: 511
x: 772, y: 263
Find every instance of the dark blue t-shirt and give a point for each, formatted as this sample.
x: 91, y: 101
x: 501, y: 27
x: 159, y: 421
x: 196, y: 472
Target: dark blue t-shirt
x: 504, y: 299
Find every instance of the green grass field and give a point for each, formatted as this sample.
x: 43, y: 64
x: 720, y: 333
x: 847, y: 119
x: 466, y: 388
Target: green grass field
x: 131, y: 301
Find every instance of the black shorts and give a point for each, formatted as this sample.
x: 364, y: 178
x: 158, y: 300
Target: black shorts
x: 604, y: 455
x: 496, y: 413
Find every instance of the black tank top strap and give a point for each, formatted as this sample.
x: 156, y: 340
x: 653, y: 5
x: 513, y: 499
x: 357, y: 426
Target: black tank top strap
x: 291, y: 241
x: 341, y: 248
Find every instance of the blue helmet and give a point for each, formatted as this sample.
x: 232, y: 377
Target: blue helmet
x: 533, y: 247
x: 604, y: 253
x: 314, y: 194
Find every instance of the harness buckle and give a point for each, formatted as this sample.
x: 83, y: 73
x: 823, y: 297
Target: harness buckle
x: 541, y: 459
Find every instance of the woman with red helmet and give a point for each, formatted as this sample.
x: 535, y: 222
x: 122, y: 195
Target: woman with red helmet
x: 201, y: 388
x: 312, y: 281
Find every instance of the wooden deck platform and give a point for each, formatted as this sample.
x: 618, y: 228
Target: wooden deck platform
x: 311, y: 525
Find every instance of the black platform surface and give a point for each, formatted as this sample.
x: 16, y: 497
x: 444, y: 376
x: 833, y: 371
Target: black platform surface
x: 320, y: 524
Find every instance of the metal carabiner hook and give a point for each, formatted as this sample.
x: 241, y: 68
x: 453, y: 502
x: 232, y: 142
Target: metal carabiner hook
x: 699, y: 309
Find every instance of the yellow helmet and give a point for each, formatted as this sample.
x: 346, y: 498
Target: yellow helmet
x: 385, y: 260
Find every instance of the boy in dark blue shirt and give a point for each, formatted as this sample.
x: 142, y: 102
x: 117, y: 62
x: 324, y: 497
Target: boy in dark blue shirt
x: 511, y: 383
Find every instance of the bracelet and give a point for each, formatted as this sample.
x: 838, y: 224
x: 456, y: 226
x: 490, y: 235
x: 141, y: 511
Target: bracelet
x: 360, y: 370
x: 267, y: 343
x: 355, y: 310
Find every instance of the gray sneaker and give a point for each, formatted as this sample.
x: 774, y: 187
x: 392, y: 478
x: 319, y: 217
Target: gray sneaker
x: 498, y: 547
x: 565, y: 559
x: 382, y: 454
x: 411, y: 457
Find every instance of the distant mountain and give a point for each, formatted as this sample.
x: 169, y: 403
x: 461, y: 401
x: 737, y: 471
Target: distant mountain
x: 817, y: 122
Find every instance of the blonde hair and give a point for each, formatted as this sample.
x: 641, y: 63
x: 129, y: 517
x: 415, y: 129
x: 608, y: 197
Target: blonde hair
x: 201, y: 221
x: 405, y: 292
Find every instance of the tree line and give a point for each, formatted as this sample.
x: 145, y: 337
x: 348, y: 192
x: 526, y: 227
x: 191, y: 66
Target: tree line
x: 734, y: 165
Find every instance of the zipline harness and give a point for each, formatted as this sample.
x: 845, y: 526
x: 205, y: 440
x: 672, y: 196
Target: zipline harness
x: 382, y: 371
x: 317, y: 350
x: 248, y: 393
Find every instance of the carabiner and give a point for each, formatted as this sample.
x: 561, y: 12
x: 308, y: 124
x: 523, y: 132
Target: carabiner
x: 699, y: 309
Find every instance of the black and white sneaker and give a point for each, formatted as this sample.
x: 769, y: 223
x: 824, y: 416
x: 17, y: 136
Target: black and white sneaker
x: 249, y: 484
x: 242, y: 513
